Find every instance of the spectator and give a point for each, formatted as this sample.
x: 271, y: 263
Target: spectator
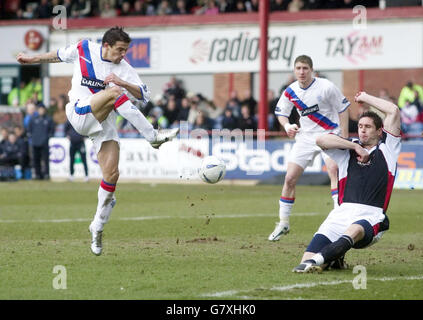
x: 126, y: 9
x: 252, y: 5
x: 234, y: 105
x: 202, y: 122
x: 247, y: 121
x: 164, y: 8
x: 44, y: 10
x: 180, y: 7
x: 171, y: 112
x: 174, y: 87
x: 225, y: 6
x: 249, y: 101
x: 31, y: 111
x: 18, y: 96
x: 207, y: 107
x: 68, y: 5
x: 240, y: 6
x: 25, y: 160
x: 229, y: 121
x: 81, y: 9
x: 40, y: 130
x: 150, y: 8
x: 211, y: 8
x: 411, y: 120
x: 407, y: 93
x: 59, y: 116
x: 184, y: 110
x: 295, y: 5
x: 139, y: 8
x: 9, y: 157
x: 157, y: 119
x: 77, y: 144
x: 198, y: 7
x: 29, y: 11
x: 108, y: 10
x: 4, y: 137
x: 274, y: 124
x: 233, y: 95
x: 279, y: 5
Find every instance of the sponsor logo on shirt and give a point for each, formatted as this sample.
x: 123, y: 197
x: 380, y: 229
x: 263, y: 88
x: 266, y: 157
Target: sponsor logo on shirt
x: 310, y: 110
x: 92, y: 83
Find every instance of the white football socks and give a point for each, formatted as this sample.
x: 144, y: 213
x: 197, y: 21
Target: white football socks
x: 131, y: 113
x: 285, y: 207
x: 104, y: 205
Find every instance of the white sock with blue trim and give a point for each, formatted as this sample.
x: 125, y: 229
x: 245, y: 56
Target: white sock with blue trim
x: 285, y: 207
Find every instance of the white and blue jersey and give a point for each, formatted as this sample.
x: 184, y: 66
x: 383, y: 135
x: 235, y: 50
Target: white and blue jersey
x: 318, y: 105
x: 90, y: 69
x: 89, y: 72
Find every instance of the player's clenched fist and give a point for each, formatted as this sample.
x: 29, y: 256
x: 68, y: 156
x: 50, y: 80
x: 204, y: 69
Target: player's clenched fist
x: 114, y: 79
x: 291, y: 129
x: 23, y: 58
x: 360, y: 97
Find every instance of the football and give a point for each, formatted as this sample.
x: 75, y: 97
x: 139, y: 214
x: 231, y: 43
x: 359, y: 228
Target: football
x: 212, y: 169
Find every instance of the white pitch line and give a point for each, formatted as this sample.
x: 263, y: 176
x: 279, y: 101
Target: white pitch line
x: 307, y: 285
x: 219, y: 216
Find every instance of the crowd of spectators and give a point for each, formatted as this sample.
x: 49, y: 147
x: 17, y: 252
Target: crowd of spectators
x: 175, y: 105
x: 410, y: 102
x: 28, y: 9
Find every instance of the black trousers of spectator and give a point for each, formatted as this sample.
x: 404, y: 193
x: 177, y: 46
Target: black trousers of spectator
x: 41, y: 161
x: 74, y: 148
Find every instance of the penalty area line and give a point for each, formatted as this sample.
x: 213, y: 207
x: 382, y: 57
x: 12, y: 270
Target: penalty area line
x: 234, y: 293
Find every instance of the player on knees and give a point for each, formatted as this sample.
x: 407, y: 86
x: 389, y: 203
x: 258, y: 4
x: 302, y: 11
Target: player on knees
x: 367, y: 168
x: 103, y: 84
x: 322, y: 109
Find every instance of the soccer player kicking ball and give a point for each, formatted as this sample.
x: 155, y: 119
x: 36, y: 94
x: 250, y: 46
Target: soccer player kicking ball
x: 322, y: 109
x: 102, y: 83
x: 367, y: 168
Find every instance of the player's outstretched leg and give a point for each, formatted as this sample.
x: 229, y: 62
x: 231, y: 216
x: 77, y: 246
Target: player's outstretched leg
x: 130, y: 112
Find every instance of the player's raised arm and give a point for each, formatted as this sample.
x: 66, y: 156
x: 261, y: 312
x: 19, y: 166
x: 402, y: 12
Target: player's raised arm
x: 343, y: 123
x: 332, y: 141
x: 49, y: 57
x: 392, y: 121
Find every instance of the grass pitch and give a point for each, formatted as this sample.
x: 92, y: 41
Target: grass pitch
x: 190, y: 242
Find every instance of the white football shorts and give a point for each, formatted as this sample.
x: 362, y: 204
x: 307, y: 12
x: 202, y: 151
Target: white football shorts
x: 81, y: 118
x: 340, y: 218
x: 305, y: 150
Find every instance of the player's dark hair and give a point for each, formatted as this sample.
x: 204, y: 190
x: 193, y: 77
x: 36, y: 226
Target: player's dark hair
x: 377, y: 120
x: 304, y: 59
x: 115, y: 34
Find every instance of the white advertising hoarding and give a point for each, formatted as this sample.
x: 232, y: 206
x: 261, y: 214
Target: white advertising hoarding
x: 236, y: 49
x: 30, y: 39
x: 175, y: 160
